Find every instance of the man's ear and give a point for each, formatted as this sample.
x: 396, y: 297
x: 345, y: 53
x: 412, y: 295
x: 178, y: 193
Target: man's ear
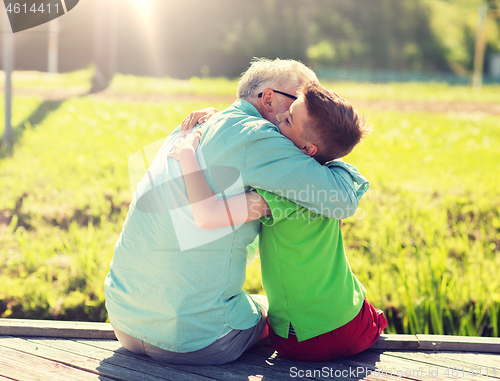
x: 267, y: 100
x: 310, y: 149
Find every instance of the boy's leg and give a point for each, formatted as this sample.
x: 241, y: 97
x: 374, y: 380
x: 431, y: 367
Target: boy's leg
x: 354, y: 337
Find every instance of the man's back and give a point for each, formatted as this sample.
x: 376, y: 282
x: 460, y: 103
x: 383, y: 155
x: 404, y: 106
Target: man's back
x: 172, y: 284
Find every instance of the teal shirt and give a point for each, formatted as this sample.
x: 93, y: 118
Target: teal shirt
x: 179, y: 287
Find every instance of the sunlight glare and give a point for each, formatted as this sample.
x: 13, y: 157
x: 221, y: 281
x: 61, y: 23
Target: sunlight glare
x: 144, y: 6
x: 148, y: 28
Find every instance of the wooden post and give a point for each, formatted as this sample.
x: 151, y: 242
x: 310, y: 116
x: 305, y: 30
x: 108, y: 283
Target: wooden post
x: 103, y: 50
x: 53, y: 46
x: 113, y: 37
x: 308, y: 5
x: 477, y: 76
x: 8, y: 66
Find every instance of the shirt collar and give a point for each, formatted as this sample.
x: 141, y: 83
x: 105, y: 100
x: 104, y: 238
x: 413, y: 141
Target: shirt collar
x: 246, y: 107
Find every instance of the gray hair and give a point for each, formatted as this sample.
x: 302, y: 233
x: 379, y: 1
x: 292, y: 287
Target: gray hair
x: 278, y: 74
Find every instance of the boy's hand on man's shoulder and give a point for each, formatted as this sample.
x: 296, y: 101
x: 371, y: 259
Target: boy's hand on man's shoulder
x: 195, y: 118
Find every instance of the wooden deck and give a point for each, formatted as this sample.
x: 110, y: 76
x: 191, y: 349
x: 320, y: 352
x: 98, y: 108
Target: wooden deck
x: 49, y: 350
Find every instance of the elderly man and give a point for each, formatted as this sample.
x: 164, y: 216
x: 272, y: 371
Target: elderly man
x: 174, y: 291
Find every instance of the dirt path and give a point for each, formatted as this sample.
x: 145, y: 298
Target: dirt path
x: 433, y: 107
x: 379, y: 105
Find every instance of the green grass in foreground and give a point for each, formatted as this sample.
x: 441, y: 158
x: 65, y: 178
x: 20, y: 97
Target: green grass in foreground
x: 424, y: 241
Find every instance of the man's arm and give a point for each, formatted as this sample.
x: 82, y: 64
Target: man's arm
x: 274, y: 164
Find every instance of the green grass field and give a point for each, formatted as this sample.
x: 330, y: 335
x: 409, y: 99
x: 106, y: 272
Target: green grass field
x: 424, y: 241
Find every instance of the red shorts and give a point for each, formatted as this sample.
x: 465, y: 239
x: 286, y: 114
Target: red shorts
x: 354, y: 337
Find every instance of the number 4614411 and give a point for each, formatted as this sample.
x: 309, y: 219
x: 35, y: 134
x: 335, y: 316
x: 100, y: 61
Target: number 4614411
x: 23, y: 8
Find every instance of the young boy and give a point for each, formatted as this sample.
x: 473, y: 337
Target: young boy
x: 317, y: 307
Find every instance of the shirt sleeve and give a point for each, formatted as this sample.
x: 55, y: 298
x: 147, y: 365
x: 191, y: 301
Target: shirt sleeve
x: 280, y: 207
x: 274, y: 164
x: 360, y: 183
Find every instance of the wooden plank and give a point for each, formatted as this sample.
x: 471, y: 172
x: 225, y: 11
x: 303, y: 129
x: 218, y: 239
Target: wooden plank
x: 53, y: 328
x: 233, y: 371
x: 262, y: 369
x: 23, y: 367
x: 393, y: 342
x: 480, y: 364
x: 477, y: 359
x: 248, y: 369
x: 111, y: 345
x: 459, y: 343
x: 61, y: 357
x: 382, y: 364
x: 145, y: 364
x: 345, y: 368
x: 425, y: 362
x: 139, y: 363
x: 256, y: 364
x: 86, y: 330
x: 443, y: 367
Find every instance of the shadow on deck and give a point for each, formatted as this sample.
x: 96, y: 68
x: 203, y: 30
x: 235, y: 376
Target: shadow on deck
x: 53, y: 350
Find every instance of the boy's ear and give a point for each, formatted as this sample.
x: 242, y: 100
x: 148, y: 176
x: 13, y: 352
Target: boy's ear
x: 310, y: 149
x: 267, y: 100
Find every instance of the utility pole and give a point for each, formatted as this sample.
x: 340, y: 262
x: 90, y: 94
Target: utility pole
x: 8, y: 66
x: 477, y: 76
x: 53, y: 53
x: 104, y: 41
x: 307, y: 29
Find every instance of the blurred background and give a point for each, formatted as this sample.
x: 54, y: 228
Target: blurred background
x: 376, y: 40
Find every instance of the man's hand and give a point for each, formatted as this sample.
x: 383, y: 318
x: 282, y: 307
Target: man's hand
x: 196, y: 117
x: 340, y: 224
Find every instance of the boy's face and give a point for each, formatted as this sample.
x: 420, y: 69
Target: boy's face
x: 291, y: 123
